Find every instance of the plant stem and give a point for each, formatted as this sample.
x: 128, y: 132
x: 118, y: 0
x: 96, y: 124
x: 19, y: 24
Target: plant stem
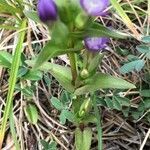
x: 99, y: 127
x: 73, y: 67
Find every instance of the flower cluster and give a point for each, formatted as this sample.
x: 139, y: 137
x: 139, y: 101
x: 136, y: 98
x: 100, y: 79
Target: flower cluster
x: 47, y: 11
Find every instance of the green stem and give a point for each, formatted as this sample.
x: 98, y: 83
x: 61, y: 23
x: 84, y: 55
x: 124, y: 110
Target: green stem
x: 99, y: 127
x: 73, y: 67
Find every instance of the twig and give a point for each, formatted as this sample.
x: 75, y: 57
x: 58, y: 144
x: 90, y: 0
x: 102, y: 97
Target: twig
x: 145, y: 139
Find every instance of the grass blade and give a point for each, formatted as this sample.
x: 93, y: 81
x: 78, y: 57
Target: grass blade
x: 12, y: 80
x: 125, y: 18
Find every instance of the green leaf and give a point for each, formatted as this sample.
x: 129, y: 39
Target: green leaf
x: 33, y: 75
x: 57, y: 103
x: 78, y: 139
x: 103, y: 81
x: 141, y: 107
x: 101, y: 101
x: 95, y: 62
x: 31, y: 113
x: 134, y: 65
x: 76, y: 103
x: 85, y: 107
x: 66, y: 114
x: 45, y: 144
x: 147, y: 103
x: 61, y: 73
x: 99, y: 30
x: 69, y: 115
x: 109, y: 103
x: 67, y: 10
x: 5, y: 59
x: 63, y: 76
x: 87, y: 138
x: 132, y: 58
x: 148, y: 117
x: 47, y: 79
x: 116, y: 103
x: 89, y: 118
x: 136, y: 114
x: 126, y: 111
x: 22, y: 71
x: 146, y: 39
x: 122, y: 51
x: 32, y: 15
x: 123, y: 101
x: 143, y: 48
x: 145, y: 93
x: 5, y: 7
x: 28, y: 92
x: 49, y: 146
x: 82, y: 20
x: 60, y: 34
x: 65, y: 98
x: 52, y: 145
x: 49, y: 51
x: 62, y: 118
x: 148, y: 55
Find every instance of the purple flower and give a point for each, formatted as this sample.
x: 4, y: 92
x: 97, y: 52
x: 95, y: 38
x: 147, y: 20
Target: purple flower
x: 47, y: 10
x: 94, y: 7
x: 95, y: 44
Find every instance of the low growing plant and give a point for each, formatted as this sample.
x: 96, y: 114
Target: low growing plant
x: 74, y: 32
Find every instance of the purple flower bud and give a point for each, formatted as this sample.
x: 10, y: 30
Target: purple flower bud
x: 95, y: 44
x: 94, y: 7
x: 47, y: 10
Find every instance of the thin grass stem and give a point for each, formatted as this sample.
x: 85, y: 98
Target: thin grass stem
x: 99, y: 127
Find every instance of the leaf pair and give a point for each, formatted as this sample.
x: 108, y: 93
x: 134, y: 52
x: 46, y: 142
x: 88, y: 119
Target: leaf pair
x: 65, y: 113
x: 83, y: 139
x: 96, y: 82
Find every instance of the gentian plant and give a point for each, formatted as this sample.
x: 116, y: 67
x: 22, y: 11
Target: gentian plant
x: 75, y: 32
